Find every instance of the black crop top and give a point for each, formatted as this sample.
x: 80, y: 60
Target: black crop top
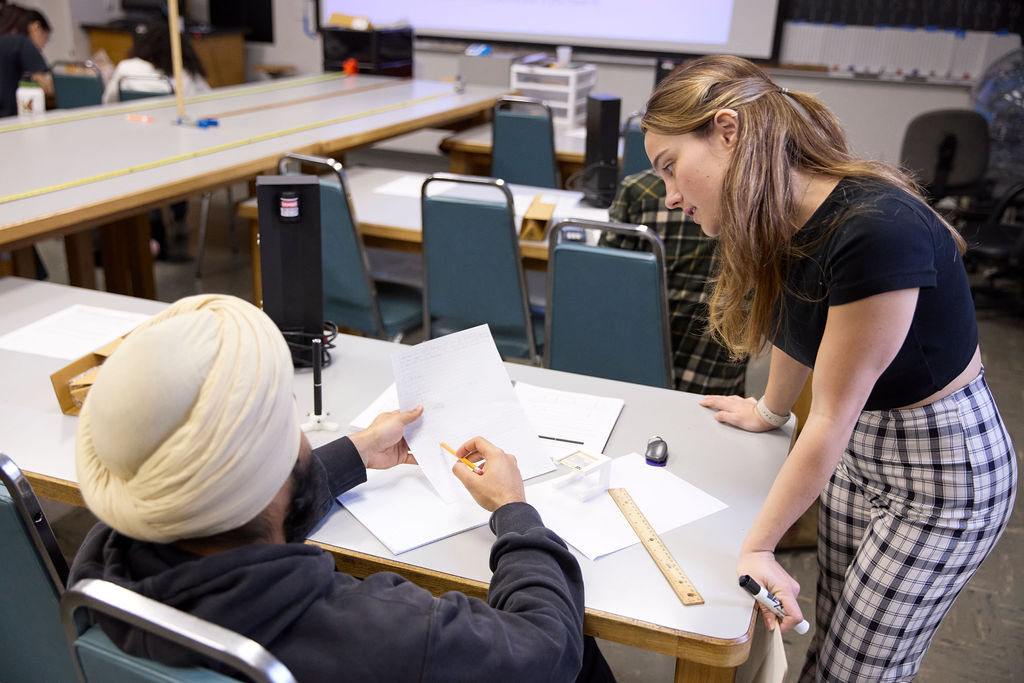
x: 885, y: 241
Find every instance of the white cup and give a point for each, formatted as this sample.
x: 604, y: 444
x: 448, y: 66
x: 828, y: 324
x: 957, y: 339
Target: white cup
x: 564, y: 53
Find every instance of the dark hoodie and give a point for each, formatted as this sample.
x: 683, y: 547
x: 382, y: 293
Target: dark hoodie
x: 328, y: 626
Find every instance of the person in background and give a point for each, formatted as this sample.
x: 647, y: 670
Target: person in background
x: 189, y: 451
x: 701, y: 364
x: 842, y: 267
x: 150, y: 60
x: 23, y: 35
x: 149, y: 69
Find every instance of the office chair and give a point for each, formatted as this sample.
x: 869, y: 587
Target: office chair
x: 77, y: 84
x: 607, y: 308
x: 352, y: 298
x: 472, y: 269
x: 98, y: 660
x: 947, y: 151
x: 634, y: 155
x: 523, y: 142
x: 33, y: 574
x: 996, y: 246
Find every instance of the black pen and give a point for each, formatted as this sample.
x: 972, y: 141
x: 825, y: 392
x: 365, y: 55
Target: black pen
x: 317, y: 379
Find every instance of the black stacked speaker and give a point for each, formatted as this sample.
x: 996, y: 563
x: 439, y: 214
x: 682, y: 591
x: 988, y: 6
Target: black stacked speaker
x: 601, y: 158
x: 290, y: 261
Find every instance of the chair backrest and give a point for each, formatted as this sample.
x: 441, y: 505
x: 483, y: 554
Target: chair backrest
x: 77, y: 84
x: 33, y: 573
x: 98, y: 660
x: 142, y: 86
x: 634, y: 155
x: 523, y: 142
x: 472, y: 269
x: 607, y: 310
x: 350, y: 296
x: 947, y: 150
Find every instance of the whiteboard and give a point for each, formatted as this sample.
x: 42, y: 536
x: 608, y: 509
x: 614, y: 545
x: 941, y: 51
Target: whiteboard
x: 740, y: 27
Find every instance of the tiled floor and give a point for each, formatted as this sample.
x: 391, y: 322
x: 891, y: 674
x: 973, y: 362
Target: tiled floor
x: 980, y: 640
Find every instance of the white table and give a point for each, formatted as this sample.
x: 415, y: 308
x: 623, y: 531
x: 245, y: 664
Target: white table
x: 71, y: 170
x: 627, y: 598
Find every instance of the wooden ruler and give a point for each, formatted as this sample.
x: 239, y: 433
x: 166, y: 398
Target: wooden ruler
x: 680, y: 583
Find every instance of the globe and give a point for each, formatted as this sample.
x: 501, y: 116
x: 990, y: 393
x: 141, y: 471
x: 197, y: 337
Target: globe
x: 999, y: 96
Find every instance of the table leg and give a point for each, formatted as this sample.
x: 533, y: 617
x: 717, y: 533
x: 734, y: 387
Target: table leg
x: 24, y: 262
x: 693, y: 672
x: 257, y: 275
x: 459, y: 162
x: 127, y: 260
x: 81, y: 264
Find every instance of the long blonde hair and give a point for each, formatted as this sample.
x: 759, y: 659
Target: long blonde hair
x: 780, y: 131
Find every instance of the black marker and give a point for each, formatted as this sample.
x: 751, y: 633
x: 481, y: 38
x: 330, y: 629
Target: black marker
x: 762, y: 595
x: 318, y: 360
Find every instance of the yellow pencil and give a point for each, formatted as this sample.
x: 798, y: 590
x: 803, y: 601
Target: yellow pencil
x: 468, y: 462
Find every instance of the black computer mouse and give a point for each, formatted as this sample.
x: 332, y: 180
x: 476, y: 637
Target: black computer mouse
x: 657, y: 451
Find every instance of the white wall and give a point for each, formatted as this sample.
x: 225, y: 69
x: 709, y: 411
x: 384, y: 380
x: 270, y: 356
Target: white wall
x: 68, y: 40
x: 874, y: 113
x: 294, y: 20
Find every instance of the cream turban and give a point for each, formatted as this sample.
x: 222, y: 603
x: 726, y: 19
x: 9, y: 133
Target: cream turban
x: 190, y: 428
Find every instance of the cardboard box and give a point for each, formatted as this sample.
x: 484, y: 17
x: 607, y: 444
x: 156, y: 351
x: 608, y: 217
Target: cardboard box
x: 536, y: 219
x: 72, y: 382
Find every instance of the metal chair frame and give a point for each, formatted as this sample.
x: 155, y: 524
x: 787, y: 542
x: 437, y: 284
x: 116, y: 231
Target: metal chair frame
x: 626, y: 230
x: 511, y: 102
x: 198, y: 635
x: 502, y: 187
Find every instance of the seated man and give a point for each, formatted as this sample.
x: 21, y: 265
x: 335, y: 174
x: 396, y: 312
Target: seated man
x: 701, y: 365
x: 190, y: 453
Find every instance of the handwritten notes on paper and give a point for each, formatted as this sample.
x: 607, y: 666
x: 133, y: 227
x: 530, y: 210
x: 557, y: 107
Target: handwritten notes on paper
x: 567, y: 421
x: 465, y: 392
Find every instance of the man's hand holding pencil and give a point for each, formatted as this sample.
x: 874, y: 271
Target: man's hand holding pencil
x: 490, y: 474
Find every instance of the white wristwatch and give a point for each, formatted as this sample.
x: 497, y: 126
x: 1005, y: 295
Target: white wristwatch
x: 774, y: 419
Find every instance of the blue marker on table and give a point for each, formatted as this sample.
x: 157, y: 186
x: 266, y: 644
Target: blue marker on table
x: 762, y: 595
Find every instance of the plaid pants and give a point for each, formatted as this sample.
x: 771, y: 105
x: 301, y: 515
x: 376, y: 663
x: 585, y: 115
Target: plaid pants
x: 918, y: 500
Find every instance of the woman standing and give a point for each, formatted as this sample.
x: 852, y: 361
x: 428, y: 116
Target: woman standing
x: 840, y: 265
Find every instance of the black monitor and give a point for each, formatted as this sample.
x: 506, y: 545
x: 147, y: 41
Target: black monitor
x: 151, y: 7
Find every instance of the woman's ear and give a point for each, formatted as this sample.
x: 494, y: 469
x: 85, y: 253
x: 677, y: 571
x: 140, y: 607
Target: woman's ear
x: 727, y: 125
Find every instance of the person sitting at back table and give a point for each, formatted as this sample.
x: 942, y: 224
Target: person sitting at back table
x: 189, y: 451
x: 151, y: 56
x: 23, y: 35
x: 701, y: 365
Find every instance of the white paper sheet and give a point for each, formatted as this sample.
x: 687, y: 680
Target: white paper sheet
x: 72, y: 332
x: 597, y: 527
x: 567, y: 421
x: 400, y: 508
x: 386, y: 402
x: 406, y: 186
x: 465, y: 392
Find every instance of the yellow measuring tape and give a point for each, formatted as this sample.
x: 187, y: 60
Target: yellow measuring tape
x: 219, y: 148
x: 207, y: 97
x: 680, y: 583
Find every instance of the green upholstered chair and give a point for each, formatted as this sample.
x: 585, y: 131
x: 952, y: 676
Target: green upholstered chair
x: 523, y: 142
x: 98, y: 660
x: 472, y: 269
x: 634, y: 156
x: 76, y: 84
x: 352, y: 299
x: 33, y: 573
x: 607, y: 314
